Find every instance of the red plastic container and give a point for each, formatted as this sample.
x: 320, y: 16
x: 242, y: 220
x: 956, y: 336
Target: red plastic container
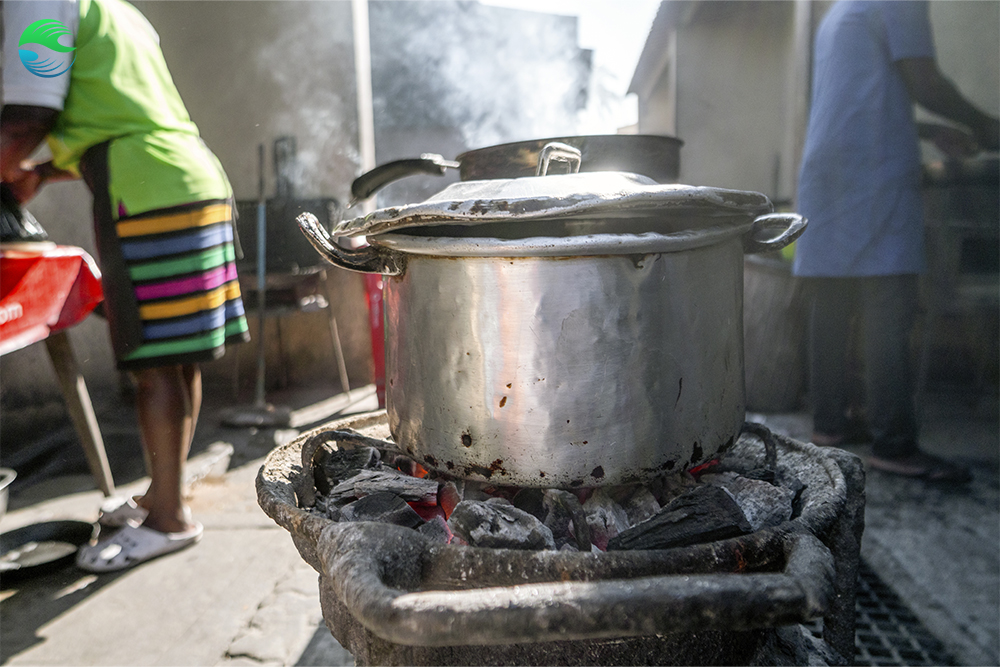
x: 44, y: 288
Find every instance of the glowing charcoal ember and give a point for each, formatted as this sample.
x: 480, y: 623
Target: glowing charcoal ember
x: 448, y: 498
x: 427, y: 511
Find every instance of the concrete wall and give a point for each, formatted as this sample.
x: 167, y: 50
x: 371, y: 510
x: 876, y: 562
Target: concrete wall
x: 249, y: 72
x: 730, y: 107
x: 967, y: 39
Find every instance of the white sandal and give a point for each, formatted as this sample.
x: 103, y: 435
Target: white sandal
x: 133, y: 545
x: 118, y: 512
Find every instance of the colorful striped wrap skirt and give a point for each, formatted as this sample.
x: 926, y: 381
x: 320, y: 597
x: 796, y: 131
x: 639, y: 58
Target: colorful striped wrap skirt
x: 172, y: 295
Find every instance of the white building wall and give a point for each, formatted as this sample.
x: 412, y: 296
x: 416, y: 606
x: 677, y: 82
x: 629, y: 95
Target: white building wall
x: 731, y: 73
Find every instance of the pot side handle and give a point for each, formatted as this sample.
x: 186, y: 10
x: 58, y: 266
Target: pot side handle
x: 367, y: 184
x: 761, y: 236
x: 369, y: 259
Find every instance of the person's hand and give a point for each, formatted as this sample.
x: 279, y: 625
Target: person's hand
x: 953, y: 142
x: 26, y: 179
x: 24, y: 182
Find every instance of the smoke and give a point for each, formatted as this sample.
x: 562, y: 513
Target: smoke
x: 495, y: 74
x: 308, y: 60
x: 459, y: 74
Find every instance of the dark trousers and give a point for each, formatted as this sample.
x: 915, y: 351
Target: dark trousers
x: 886, y: 307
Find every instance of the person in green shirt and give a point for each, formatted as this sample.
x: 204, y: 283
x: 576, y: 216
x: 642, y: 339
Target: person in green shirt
x: 89, y: 78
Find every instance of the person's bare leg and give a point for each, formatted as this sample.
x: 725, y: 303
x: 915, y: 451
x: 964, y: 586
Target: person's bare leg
x: 167, y: 402
x: 192, y: 378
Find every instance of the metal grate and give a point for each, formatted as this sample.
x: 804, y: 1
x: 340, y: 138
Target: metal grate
x: 886, y: 631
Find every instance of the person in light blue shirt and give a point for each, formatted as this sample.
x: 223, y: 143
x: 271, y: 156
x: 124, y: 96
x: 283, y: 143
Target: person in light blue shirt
x: 859, y: 187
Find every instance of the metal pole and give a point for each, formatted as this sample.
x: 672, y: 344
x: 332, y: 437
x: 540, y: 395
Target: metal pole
x: 261, y: 281
x: 260, y: 415
x: 363, y: 76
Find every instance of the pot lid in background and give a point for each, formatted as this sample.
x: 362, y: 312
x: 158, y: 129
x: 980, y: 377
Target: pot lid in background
x: 591, y: 195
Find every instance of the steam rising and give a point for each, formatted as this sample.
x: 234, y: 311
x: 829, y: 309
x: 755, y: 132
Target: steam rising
x: 452, y: 74
x: 309, y: 59
x: 495, y: 74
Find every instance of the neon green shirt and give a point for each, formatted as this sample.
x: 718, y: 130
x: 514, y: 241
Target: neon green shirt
x: 120, y: 90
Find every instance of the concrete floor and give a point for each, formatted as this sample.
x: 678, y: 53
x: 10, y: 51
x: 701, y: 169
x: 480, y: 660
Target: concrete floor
x: 937, y: 547
x: 243, y: 596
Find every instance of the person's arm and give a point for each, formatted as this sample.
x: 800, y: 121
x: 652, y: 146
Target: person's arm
x: 930, y: 89
x: 22, y: 130
x: 951, y: 141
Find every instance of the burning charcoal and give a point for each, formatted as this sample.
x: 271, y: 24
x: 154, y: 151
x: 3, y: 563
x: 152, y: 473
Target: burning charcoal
x: 408, y: 466
x: 448, y: 498
x: 704, y: 514
x: 381, y: 506
x: 499, y: 526
x: 333, y: 467
x: 427, y: 511
x: 557, y: 519
x: 405, y: 465
x: 328, y: 509
x: 605, y: 518
x: 531, y: 501
x: 638, y: 502
x: 436, y: 530
x: 368, y: 482
x: 565, y: 514
x: 762, y: 503
x: 668, y: 487
x: 476, y: 491
x: 640, y: 506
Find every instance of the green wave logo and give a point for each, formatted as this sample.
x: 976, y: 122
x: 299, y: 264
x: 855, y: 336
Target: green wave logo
x: 45, y: 33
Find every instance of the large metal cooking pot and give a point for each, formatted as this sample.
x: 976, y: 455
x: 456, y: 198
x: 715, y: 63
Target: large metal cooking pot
x: 567, y: 330
x: 655, y: 156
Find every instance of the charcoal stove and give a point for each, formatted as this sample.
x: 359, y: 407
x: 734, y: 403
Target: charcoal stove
x: 392, y: 596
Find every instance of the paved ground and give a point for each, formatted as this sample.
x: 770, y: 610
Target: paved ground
x: 939, y: 548
x: 243, y: 596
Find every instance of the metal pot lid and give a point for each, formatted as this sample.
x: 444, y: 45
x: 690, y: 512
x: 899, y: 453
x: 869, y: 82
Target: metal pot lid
x: 590, y: 195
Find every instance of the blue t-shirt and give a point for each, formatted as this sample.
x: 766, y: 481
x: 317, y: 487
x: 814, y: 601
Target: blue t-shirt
x: 859, y: 186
